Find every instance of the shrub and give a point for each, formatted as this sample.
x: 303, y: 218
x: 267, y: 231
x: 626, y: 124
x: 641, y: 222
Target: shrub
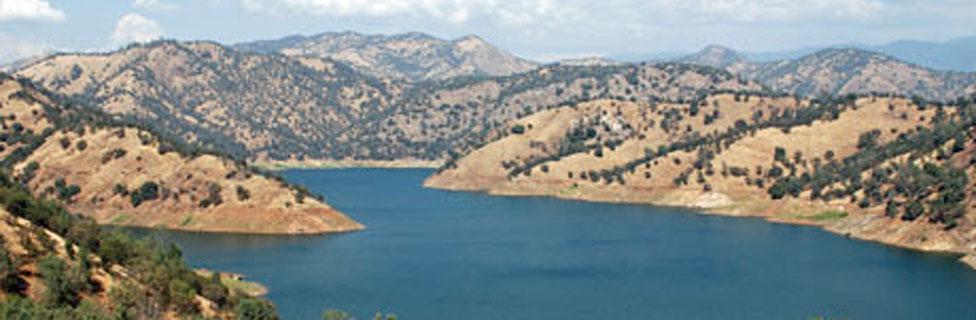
x: 518, y: 129
x: 65, y: 142
x: 147, y: 191
x: 112, y: 155
x: 242, y: 193
x: 255, y: 309
x: 213, y: 196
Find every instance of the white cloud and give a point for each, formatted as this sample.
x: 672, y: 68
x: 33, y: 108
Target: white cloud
x: 506, y: 13
x: 550, y: 12
x: 136, y: 28
x: 29, y: 10
x: 753, y: 10
x: 155, y: 5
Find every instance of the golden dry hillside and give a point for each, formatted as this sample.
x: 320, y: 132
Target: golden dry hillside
x: 123, y: 175
x: 874, y: 167
x: 272, y: 107
x: 412, y: 56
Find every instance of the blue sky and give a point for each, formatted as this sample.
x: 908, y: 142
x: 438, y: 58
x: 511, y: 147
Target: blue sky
x: 538, y: 29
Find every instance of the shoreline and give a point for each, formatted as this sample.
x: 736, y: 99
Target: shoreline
x: 346, y: 164
x: 833, y: 226
x: 123, y: 226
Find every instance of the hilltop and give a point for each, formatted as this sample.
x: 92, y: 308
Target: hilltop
x: 121, y: 173
x: 881, y: 168
x: 411, y: 56
x: 836, y: 72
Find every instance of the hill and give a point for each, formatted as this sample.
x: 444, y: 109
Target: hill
x: 874, y: 167
x: 278, y: 109
x: 271, y: 108
x: 835, y: 72
x: 242, y: 104
x: 55, y: 265
x: 123, y: 174
x: 411, y: 56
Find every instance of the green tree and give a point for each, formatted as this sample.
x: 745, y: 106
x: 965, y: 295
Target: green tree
x: 255, y: 309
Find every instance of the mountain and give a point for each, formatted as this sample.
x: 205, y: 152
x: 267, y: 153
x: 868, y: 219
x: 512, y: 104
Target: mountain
x: 122, y: 173
x: 248, y: 105
x: 714, y: 56
x: 273, y: 107
x: 719, y: 57
x: 411, y: 56
x: 872, y: 167
x: 840, y: 72
x: 844, y: 71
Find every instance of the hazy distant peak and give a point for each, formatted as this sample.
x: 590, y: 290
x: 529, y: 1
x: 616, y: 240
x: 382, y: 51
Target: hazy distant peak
x: 715, y: 56
x: 414, y: 56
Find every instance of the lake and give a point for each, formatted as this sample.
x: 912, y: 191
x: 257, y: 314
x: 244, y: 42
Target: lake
x: 432, y: 254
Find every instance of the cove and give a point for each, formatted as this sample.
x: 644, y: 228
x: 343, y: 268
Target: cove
x: 432, y: 254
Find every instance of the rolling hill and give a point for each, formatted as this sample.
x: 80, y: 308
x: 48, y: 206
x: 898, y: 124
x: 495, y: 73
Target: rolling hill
x: 271, y: 107
x: 834, y: 72
x: 122, y: 173
x: 275, y: 108
x: 411, y: 56
x: 874, y: 167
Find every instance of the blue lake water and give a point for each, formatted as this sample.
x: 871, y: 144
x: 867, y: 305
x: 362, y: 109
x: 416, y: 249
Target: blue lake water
x: 431, y: 254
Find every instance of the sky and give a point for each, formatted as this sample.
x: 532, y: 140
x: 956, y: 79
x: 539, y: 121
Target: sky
x: 544, y: 30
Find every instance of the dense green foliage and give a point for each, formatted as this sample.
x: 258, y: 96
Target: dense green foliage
x: 165, y: 280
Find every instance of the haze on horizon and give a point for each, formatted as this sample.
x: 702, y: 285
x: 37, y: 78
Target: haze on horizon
x: 543, y: 30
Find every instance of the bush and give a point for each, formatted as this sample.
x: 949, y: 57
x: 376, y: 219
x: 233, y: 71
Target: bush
x: 61, y: 290
x: 112, y: 155
x: 255, y: 309
x: 148, y: 191
x: 81, y: 145
x: 518, y: 129
x: 213, y: 196
x: 242, y: 193
x: 65, y: 142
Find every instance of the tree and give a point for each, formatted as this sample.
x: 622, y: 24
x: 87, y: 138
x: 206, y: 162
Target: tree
x: 61, y: 290
x: 779, y: 154
x: 214, y: 290
x: 242, y: 193
x: 518, y: 129
x: 9, y: 274
x: 255, y: 309
x: 147, y: 191
x: 182, y: 295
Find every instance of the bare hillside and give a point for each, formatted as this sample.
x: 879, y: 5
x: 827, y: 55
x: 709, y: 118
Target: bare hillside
x: 123, y: 175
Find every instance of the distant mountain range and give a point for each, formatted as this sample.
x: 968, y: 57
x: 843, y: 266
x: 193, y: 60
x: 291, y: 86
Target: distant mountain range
x: 839, y: 72
x: 410, y: 56
x: 953, y: 55
x: 416, y: 97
